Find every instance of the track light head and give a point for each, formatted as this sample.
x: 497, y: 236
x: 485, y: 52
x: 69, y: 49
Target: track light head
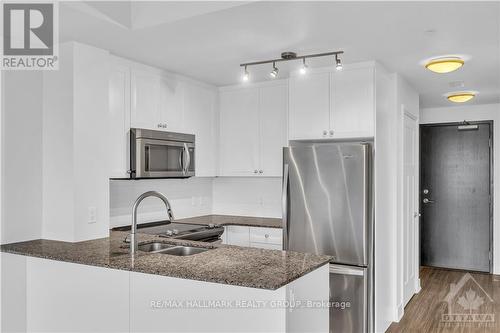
x: 303, y: 69
x: 338, y: 63
x: 274, y: 72
x: 246, y: 75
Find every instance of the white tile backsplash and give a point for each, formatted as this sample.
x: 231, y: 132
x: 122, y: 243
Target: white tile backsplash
x: 196, y: 197
x: 188, y: 197
x: 247, y: 196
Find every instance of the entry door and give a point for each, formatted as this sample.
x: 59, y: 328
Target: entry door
x: 455, y: 196
x: 410, y: 206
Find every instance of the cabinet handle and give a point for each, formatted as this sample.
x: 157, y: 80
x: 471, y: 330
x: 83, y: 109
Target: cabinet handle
x: 266, y: 235
x: 331, y: 132
x: 260, y: 171
x: 255, y: 171
x: 325, y: 132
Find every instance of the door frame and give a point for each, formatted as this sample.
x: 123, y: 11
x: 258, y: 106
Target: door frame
x: 472, y: 122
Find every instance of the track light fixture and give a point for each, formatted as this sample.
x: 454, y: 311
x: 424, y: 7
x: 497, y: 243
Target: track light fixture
x: 246, y: 75
x: 338, y: 63
x: 287, y: 56
x: 274, y: 72
x: 303, y: 69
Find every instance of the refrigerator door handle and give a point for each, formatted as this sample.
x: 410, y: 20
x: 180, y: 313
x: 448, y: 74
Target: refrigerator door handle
x: 284, y: 206
x: 346, y: 270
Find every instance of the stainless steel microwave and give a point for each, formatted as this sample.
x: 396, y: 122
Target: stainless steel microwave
x: 157, y: 154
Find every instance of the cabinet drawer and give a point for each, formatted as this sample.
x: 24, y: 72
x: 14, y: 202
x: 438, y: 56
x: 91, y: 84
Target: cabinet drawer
x: 237, y: 235
x: 268, y: 246
x: 266, y: 236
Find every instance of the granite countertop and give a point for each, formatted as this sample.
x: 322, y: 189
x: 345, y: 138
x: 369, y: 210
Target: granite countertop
x: 234, y: 220
x: 226, y: 264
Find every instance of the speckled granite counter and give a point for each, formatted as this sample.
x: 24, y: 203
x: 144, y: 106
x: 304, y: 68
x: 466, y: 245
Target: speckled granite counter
x: 234, y: 220
x: 233, y: 265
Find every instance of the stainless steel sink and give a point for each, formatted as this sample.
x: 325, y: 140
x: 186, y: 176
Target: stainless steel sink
x: 174, y: 250
x: 154, y: 247
x: 184, y: 250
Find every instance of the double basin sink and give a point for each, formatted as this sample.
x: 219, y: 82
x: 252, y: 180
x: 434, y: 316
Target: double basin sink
x: 175, y: 250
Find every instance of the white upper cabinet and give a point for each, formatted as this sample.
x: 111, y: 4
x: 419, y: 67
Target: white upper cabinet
x: 157, y: 101
x: 333, y: 104
x: 253, y: 130
x: 171, y: 115
x: 119, y: 121
x: 273, y: 134
x: 199, y: 117
x: 239, y: 132
x: 353, y: 103
x: 145, y: 95
x: 309, y: 106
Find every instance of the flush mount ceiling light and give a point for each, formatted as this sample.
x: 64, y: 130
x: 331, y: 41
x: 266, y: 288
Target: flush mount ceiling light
x: 444, y: 64
x: 461, y: 96
x: 288, y: 56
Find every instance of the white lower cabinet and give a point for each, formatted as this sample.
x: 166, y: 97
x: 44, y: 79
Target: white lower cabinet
x: 55, y: 296
x: 265, y: 238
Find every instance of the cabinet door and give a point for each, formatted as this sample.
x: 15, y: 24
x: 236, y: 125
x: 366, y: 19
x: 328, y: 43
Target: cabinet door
x: 237, y: 235
x: 145, y: 91
x: 273, y: 125
x: 171, y: 105
x: 353, y: 102
x: 309, y: 106
x: 119, y: 114
x: 239, y: 132
x: 200, y: 120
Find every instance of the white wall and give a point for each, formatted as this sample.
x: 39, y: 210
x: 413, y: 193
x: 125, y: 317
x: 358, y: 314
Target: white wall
x: 385, y: 199
x: 75, y: 121
x: 475, y: 113
x: 21, y: 156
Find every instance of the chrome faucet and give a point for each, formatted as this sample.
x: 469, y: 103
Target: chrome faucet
x: 133, y: 240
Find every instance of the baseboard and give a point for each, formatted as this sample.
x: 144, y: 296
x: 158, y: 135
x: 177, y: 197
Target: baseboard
x: 400, y: 312
x: 418, y: 287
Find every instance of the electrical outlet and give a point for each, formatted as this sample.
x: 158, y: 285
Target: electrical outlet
x: 92, y: 215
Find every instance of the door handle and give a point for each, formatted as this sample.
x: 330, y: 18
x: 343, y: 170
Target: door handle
x: 284, y: 206
x: 186, y: 159
x: 426, y: 201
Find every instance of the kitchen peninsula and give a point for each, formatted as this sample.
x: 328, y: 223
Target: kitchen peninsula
x: 97, y: 286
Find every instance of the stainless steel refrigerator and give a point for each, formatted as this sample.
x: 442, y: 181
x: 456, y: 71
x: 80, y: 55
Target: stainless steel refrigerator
x: 327, y: 209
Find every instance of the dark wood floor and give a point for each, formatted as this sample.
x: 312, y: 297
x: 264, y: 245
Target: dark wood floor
x: 424, y: 312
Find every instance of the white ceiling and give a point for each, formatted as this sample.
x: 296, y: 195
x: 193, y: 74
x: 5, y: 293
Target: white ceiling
x: 208, y: 40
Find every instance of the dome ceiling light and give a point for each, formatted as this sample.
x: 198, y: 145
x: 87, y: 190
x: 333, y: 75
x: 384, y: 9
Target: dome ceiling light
x: 444, y: 64
x: 288, y: 56
x: 461, y: 96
